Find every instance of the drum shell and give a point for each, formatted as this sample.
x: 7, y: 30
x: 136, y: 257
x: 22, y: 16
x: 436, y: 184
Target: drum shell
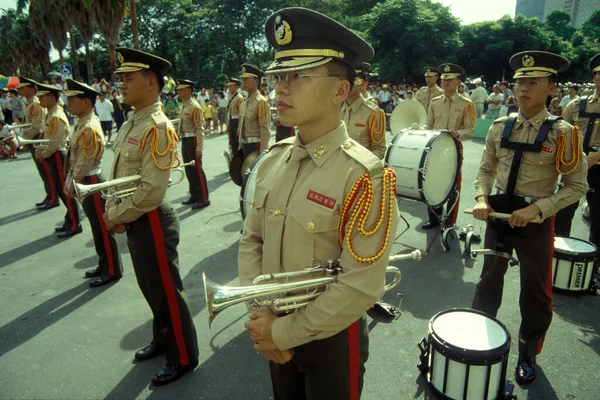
x: 249, y: 185
x: 573, y: 271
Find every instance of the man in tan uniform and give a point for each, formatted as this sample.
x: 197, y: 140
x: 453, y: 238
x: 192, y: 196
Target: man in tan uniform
x: 362, y: 71
x: 36, y: 115
x: 454, y: 113
x: 254, y: 130
x: 233, y: 113
x: 524, y: 155
x: 191, y: 130
x: 427, y: 93
x: 364, y: 120
x: 83, y: 163
x: 147, y: 145
x: 305, y: 212
x: 52, y: 156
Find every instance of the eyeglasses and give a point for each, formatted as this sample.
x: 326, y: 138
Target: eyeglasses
x: 529, y: 84
x: 293, y: 78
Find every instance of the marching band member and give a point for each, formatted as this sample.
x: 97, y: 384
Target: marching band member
x: 83, y: 162
x: 254, y: 130
x: 191, y: 129
x: 524, y: 155
x: 427, y: 93
x: 147, y: 145
x: 233, y: 112
x: 316, y: 196
x: 56, y: 130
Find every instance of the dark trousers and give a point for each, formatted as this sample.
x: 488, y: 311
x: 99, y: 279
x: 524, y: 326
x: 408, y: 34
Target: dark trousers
x: 44, y: 171
x: 152, y: 240
x: 593, y: 198
x: 107, y: 248
x: 564, y: 219
x: 284, y: 132
x: 195, y: 175
x: 249, y: 148
x: 328, y: 369
x: 57, y: 180
x: 119, y: 119
x: 232, y: 128
x: 535, y: 253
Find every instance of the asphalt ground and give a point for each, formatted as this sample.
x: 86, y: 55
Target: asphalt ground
x: 59, y: 339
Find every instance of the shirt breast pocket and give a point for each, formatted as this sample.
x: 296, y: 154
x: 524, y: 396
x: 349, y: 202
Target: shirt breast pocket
x: 544, y: 161
x: 131, y: 156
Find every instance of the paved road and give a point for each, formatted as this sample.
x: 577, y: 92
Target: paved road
x: 61, y: 340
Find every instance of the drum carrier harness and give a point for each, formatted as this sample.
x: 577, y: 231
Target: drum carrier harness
x: 592, y: 117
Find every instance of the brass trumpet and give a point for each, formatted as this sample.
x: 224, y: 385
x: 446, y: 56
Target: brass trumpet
x: 35, y: 142
x: 20, y: 126
x: 107, y: 189
x: 260, y: 294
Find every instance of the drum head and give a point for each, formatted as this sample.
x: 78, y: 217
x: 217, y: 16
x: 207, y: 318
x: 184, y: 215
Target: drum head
x: 439, y: 169
x: 574, y: 246
x: 469, y: 330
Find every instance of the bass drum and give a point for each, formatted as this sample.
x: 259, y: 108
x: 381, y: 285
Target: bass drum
x: 426, y: 164
x: 249, y: 185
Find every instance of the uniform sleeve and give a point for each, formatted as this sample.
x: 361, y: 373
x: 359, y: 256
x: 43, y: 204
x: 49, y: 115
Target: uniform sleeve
x: 571, y: 112
x: 488, y: 167
x: 90, y: 147
x: 468, y: 122
x: 430, y: 117
x: 251, y: 243
x: 37, y: 119
x: 198, y: 119
x: 56, y: 134
x: 358, y: 287
x: 155, y: 173
x: 264, y: 120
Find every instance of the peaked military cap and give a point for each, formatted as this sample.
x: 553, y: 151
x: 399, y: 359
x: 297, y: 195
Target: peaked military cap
x: 133, y: 60
x: 536, y: 64
x: 595, y: 64
x: 250, y: 71
x: 305, y: 39
x: 26, y: 82
x: 75, y: 88
x: 430, y: 71
x: 233, y: 81
x: 451, y: 71
x: 185, y: 84
x: 43, y: 89
x: 362, y: 70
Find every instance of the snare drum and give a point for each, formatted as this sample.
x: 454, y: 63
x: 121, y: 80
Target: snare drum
x: 465, y: 355
x: 249, y: 185
x: 573, y: 264
x: 426, y: 164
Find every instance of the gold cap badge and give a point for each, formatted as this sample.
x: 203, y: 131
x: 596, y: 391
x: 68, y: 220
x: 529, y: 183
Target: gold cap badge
x: 447, y: 68
x: 283, y: 31
x: 528, y: 61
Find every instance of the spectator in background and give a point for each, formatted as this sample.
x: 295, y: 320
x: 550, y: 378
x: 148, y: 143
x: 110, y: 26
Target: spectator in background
x: 104, y: 109
x: 462, y: 90
x: 208, y: 115
x: 169, y: 85
x: 8, y: 144
x: 554, y: 108
x: 494, y: 101
x: 16, y: 106
x: 512, y: 105
x: 410, y: 95
x: 222, y: 112
x: 572, y: 96
x: 96, y: 85
x: 105, y: 87
x: 202, y: 97
x: 383, y: 97
x: 479, y: 97
x: 396, y: 99
x: 171, y: 106
x: 506, y: 92
x: 5, y: 107
x: 118, y: 114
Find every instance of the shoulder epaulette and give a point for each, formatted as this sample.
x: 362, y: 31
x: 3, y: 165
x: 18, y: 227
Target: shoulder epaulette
x: 363, y: 156
x: 285, y: 142
x: 501, y: 120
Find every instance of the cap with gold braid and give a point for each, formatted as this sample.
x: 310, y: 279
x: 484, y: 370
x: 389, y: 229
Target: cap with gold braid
x: 185, y: 84
x: 133, y: 60
x: 430, y: 71
x: 250, y: 71
x: 80, y: 89
x: 451, y: 71
x: 26, y: 82
x: 305, y: 39
x: 595, y: 64
x: 45, y: 89
x: 537, y: 64
x: 233, y: 81
x: 362, y: 70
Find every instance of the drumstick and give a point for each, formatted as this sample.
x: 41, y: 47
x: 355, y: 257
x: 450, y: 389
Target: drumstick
x: 504, y: 216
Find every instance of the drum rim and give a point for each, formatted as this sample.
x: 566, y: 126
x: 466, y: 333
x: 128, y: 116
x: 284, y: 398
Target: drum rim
x: 245, y: 180
x: 473, y: 357
x: 593, y: 254
x: 458, y: 166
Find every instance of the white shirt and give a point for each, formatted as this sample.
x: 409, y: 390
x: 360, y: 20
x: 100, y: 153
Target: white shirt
x: 4, y: 133
x: 495, y: 97
x: 104, y: 109
x: 202, y: 98
x: 566, y: 100
x: 479, y: 95
x: 383, y: 96
x: 223, y: 102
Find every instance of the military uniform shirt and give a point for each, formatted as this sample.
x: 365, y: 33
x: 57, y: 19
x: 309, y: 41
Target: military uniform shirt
x: 452, y: 113
x: 537, y: 175
x: 571, y: 115
x: 425, y: 95
x: 35, y: 115
x: 56, y: 129
x: 134, y: 155
x: 294, y: 222
x: 255, y: 119
x: 366, y: 124
x: 191, y: 120
x: 85, y: 150
x: 233, y: 108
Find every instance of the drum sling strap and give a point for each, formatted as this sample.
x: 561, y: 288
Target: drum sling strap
x: 592, y: 117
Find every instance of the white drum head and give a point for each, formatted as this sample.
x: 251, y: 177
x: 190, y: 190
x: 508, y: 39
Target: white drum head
x: 440, y: 169
x: 573, y: 245
x: 469, y: 330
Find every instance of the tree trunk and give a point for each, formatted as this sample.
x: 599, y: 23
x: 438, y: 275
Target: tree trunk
x: 43, y: 69
x: 134, y: 25
x: 88, y: 62
x: 76, y: 74
x: 61, y: 60
x: 113, y: 61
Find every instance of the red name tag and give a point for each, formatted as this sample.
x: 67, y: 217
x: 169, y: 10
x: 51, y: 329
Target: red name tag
x: 547, y: 149
x: 321, y: 199
x: 360, y: 125
x: 133, y: 141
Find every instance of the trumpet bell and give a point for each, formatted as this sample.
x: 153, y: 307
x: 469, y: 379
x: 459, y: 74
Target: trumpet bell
x: 406, y: 114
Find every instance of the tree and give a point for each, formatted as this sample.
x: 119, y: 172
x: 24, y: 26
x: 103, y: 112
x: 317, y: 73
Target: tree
x: 134, y: 24
x: 108, y: 17
x: 559, y: 22
x: 591, y: 27
x: 77, y: 15
x: 47, y: 23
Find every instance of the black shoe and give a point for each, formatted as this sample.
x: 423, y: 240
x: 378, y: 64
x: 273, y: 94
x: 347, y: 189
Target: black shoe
x: 170, y: 373
x: 525, y: 371
x: 103, y: 280
x: 149, y: 352
x: 47, y: 206
x: 68, y: 233
x: 383, y: 311
x: 191, y: 200
x: 41, y: 203
x: 60, y: 229
x: 200, y: 206
x: 430, y: 224
x: 92, y: 273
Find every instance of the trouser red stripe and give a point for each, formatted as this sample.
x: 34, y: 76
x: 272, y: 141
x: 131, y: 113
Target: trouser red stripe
x: 105, y: 240
x: 258, y: 147
x: 200, y: 174
x: 354, y: 359
x: 68, y: 200
x: 163, y: 264
x: 52, y: 199
x: 540, y: 342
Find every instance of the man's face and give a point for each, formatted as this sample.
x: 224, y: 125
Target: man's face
x: 75, y: 105
x: 359, y: 85
x: 572, y: 91
x: 410, y: 95
x: 232, y: 89
x: 597, y: 80
x: 531, y: 92
x: 135, y: 87
x: 47, y: 101
x: 249, y: 84
x: 431, y: 80
x: 185, y: 93
x: 450, y: 85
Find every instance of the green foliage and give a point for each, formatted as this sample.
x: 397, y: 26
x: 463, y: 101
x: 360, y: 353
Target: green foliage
x: 559, y: 22
x: 591, y: 28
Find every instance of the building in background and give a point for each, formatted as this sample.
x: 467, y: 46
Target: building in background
x: 580, y: 10
x: 531, y: 8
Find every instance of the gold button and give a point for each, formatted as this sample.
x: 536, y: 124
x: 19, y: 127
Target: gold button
x: 310, y: 226
x: 541, y: 162
x: 276, y: 212
x: 252, y: 204
x: 347, y: 145
x: 126, y: 154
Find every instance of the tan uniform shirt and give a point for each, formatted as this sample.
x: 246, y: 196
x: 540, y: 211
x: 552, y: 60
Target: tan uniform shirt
x: 255, y: 120
x: 191, y: 121
x: 370, y: 98
x: 56, y: 129
x: 137, y: 146
x: 571, y: 115
x: 425, y: 95
x: 538, y: 174
x: 35, y: 115
x: 233, y: 108
x: 85, y: 150
x: 366, y: 124
x: 452, y: 113
x: 294, y: 224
